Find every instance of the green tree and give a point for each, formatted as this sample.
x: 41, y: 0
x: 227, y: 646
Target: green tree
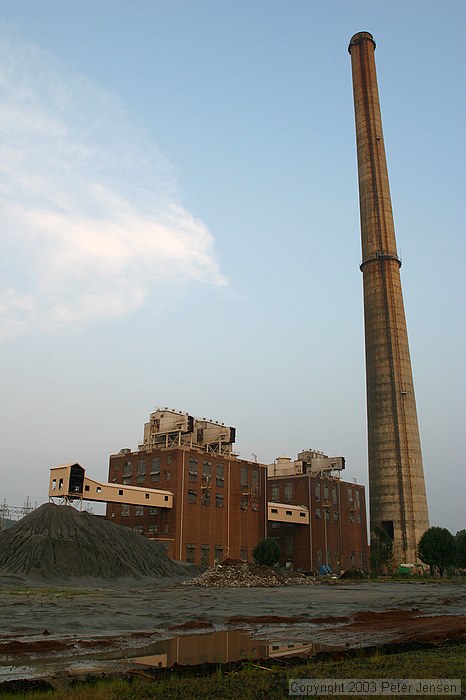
x: 381, y: 550
x: 460, y: 542
x: 437, y: 549
x: 267, y: 552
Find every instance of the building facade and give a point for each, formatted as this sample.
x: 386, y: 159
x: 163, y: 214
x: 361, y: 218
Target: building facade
x: 335, y: 534
x: 221, y: 506
x: 218, y: 499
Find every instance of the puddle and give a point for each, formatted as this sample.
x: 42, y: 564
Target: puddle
x: 216, y: 647
x: 184, y: 650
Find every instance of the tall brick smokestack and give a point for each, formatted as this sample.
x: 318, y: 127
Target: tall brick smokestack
x: 398, y: 501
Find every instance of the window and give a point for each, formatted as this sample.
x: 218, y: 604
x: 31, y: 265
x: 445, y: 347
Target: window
x: 327, y: 514
x: 317, y: 491
x: 120, y: 491
x: 191, y: 553
x: 153, y: 529
x: 350, y: 494
x: 153, y: 510
x: 206, y: 470
x: 127, y: 468
x: 168, y: 474
x: 358, y: 517
x: 318, y: 514
x: 141, y: 467
x: 275, y: 492
x: 351, y: 516
x: 205, y: 554
x: 54, y: 484
x: 326, y: 492
x: 98, y: 489
x: 289, y: 512
x: 155, y: 469
x: 169, y: 459
x: 60, y: 484
x: 206, y: 497
x: 139, y: 528
x: 126, y: 480
x: 219, y: 475
x: 356, y: 496
x: 334, y: 495
x: 244, y: 476
x: 218, y: 553
x: 147, y: 495
x: 335, y: 515
x: 192, y: 496
x: 288, y: 491
x: 125, y: 510
x: 88, y: 488
x: 243, y: 553
x: 274, y: 525
x: 274, y: 510
x: 219, y: 500
x: 255, y: 476
x: 302, y: 515
x: 192, y: 466
x: 139, y: 510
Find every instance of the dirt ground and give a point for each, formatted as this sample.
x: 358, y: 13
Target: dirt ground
x: 43, y: 630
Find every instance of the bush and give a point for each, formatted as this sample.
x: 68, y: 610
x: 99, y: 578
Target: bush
x: 437, y: 549
x: 267, y: 552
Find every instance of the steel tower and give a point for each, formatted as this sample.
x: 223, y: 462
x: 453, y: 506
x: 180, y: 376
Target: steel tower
x: 398, y: 501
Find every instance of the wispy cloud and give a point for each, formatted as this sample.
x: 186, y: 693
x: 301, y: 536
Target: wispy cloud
x: 89, y: 218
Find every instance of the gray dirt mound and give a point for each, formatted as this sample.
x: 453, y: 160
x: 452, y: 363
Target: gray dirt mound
x: 59, y: 542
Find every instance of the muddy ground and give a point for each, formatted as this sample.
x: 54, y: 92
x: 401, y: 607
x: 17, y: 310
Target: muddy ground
x: 49, y: 632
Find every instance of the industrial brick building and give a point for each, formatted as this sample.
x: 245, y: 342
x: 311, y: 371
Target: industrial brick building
x: 218, y: 499
x: 335, y: 533
x: 221, y: 506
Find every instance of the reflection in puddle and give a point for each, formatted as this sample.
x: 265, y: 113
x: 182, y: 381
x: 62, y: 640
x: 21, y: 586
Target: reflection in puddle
x: 216, y: 647
x: 185, y: 650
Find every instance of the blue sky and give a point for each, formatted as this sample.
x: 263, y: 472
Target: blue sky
x: 180, y: 227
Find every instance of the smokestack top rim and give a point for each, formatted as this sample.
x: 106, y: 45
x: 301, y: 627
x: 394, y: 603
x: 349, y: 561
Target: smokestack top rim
x: 359, y: 38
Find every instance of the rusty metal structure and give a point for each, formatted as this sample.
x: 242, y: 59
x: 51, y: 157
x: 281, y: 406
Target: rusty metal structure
x: 398, y: 501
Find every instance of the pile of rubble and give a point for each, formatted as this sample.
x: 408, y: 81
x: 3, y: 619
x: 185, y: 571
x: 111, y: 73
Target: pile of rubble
x: 245, y: 575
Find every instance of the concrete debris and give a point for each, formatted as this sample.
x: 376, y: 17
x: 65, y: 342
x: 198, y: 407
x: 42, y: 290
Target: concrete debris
x: 246, y: 575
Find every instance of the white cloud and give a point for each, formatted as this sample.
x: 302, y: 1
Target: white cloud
x: 89, y: 219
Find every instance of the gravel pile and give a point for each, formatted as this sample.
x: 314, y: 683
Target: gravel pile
x: 60, y: 543
x: 246, y: 575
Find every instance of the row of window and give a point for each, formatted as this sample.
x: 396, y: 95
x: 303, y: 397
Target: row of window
x: 321, y: 491
x: 152, y: 529
x: 205, y: 554
x: 247, y: 474
x: 205, y: 498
